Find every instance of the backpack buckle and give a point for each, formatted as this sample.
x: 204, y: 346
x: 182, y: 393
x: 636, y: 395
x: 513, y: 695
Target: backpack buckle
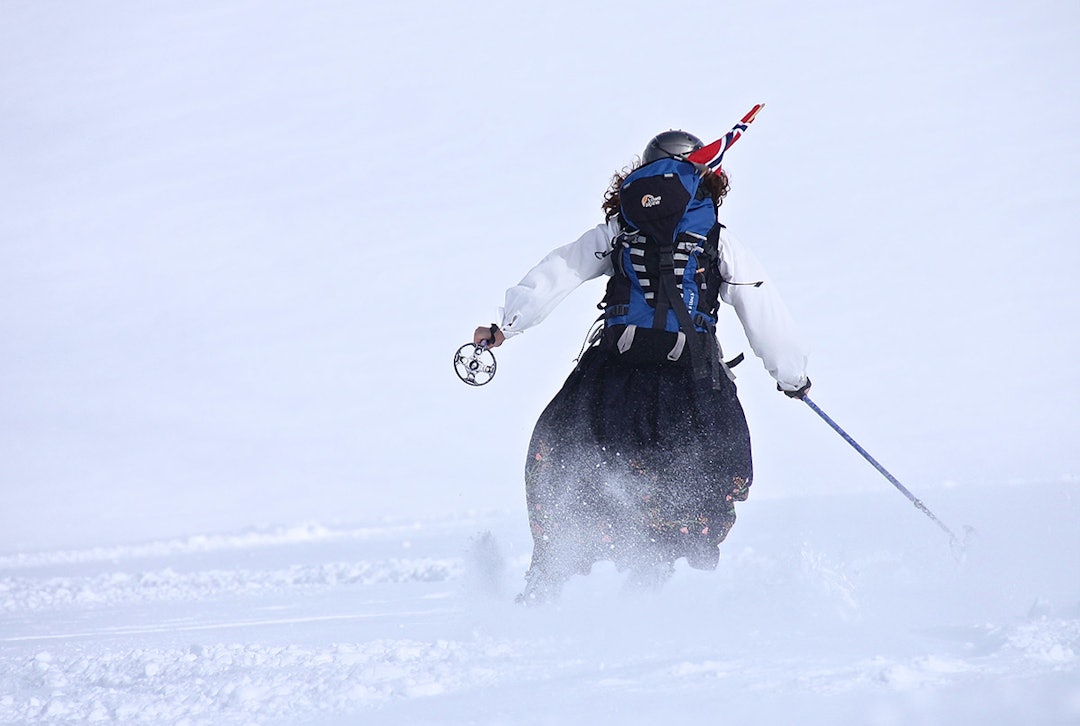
x: 667, y: 259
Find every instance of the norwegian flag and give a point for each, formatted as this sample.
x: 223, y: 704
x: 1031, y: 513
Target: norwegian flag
x: 713, y: 154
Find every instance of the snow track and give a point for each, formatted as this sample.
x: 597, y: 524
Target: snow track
x: 114, y: 588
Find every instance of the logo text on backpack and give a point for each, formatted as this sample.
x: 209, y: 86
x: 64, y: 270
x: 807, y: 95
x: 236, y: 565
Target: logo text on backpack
x: 649, y: 201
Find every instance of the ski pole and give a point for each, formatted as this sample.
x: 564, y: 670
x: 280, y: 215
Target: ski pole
x: 892, y: 479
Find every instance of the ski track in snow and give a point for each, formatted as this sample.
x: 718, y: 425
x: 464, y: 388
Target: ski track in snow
x: 113, y: 588
x: 278, y: 627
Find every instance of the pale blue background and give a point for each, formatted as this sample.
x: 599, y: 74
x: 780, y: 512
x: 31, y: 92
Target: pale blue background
x: 240, y: 241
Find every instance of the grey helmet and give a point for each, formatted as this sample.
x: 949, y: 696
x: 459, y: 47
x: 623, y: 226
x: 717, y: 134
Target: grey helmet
x: 670, y: 144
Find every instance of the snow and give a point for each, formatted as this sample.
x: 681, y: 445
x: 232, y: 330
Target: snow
x: 239, y: 244
x: 879, y: 623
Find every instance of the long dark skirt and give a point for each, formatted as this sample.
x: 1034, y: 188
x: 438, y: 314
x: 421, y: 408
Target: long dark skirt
x: 636, y: 460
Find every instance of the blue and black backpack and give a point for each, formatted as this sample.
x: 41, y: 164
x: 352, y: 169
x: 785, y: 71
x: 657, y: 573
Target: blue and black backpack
x: 666, y: 277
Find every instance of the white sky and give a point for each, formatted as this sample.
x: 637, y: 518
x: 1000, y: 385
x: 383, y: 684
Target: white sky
x: 239, y: 242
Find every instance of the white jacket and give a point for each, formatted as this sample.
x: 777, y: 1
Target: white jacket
x: 765, y: 319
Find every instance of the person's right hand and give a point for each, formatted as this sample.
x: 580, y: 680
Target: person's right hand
x: 488, y: 335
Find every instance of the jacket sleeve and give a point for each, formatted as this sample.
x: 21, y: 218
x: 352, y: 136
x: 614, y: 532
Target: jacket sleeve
x: 769, y: 326
x: 556, y: 276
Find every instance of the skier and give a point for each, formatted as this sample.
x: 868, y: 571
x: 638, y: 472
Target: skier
x: 641, y: 456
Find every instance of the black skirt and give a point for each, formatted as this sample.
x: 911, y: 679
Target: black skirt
x: 637, y: 459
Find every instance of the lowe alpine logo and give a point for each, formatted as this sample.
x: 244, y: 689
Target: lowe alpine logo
x: 649, y: 201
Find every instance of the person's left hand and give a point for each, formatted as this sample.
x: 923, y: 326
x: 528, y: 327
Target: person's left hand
x: 799, y: 393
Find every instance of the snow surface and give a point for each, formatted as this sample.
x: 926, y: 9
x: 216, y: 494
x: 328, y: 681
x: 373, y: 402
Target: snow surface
x: 239, y: 243
x: 812, y: 618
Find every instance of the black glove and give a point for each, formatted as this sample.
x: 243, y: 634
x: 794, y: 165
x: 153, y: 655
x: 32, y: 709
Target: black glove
x: 797, y: 393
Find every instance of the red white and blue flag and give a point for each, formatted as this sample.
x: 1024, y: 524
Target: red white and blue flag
x: 713, y: 154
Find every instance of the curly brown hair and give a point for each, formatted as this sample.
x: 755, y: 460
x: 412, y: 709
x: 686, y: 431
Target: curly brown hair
x: 716, y: 183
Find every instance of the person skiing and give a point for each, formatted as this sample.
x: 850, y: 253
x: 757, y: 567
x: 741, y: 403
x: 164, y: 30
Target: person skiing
x: 644, y: 451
